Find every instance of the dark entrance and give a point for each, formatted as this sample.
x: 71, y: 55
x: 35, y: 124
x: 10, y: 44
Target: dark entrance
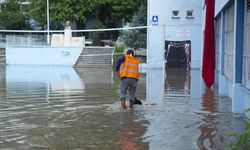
x: 178, y: 54
x: 177, y: 67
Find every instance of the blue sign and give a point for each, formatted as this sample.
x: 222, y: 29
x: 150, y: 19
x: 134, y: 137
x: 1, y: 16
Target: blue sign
x: 154, y: 20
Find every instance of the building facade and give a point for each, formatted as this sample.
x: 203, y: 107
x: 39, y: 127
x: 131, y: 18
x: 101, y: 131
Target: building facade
x: 177, y: 21
x: 185, y: 21
x: 232, y: 35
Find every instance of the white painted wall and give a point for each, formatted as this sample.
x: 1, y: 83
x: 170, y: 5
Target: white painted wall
x: 155, y: 85
x: 169, y: 29
x: 42, y: 56
x: 219, y: 4
x: 227, y: 87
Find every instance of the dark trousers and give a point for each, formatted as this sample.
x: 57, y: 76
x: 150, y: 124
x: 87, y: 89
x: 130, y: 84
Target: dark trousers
x: 128, y: 84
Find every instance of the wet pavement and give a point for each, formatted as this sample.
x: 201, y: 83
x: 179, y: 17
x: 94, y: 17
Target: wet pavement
x: 66, y: 108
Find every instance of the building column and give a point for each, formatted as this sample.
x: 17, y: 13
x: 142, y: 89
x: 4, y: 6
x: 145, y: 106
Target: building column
x: 222, y: 78
x: 237, y: 94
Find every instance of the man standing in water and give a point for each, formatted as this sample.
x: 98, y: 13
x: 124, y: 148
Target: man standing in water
x: 127, y: 68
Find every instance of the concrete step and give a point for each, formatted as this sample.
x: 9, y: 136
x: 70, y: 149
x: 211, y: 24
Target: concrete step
x: 95, y: 57
x: 81, y: 64
x: 95, y: 60
x: 98, y: 50
x: 2, y: 57
x: 92, y: 66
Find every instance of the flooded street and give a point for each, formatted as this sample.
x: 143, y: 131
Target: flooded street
x: 66, y: 108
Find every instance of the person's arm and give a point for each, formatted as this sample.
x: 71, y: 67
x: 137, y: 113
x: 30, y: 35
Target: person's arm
x: 118, y: 65
x: 120, y: 60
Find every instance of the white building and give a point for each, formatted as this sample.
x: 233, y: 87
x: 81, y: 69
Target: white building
x: 182, y: 21
x: 174, y: 21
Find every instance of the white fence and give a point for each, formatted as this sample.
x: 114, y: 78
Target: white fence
x: 38, y: 39
x: 26, y: 40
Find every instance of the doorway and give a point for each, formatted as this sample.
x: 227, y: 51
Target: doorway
x: 178, y: 54
x: 177, y: 67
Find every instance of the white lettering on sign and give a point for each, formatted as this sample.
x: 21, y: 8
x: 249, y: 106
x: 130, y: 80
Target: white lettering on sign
x: 183, y: 33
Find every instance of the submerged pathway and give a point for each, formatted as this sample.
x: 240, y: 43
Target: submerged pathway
x: 66, y: 108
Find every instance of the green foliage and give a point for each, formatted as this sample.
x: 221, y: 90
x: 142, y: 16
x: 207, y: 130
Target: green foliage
x: 140, y: 18
x: 80, y: 10
x: 97, y: 35
x: 77, y: 11
x: 60, y: 11
x: 11, y: 16
x: 125, y: 9
x: 118, y: 49
x: 38, y: 12
x: 137, y: 38
x: 242, y: 141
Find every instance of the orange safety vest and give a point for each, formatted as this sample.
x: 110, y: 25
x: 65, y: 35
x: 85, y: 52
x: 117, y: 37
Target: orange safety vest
x: 130, y: 67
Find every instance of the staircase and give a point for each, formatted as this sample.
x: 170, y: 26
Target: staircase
x: 2, y: 57
x: 95, y: 57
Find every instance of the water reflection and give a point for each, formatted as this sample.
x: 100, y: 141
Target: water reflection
x: 208, y: 127
x: 21, y: 81
x: 177, y: 80
x: 155, y: 84
x: 63, y: 108
x: 185, y: 120
x: 66, y: 108
x: 216, y: 121
x: 130, y: 133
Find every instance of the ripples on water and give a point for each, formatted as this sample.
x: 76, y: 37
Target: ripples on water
x: 57, y: 108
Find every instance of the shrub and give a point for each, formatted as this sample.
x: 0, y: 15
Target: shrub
x: 118, y: 49
x: 98, y: 35
x: 242, y: 141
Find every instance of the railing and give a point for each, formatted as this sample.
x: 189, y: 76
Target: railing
x: 38, y: 38
x: 26, y: 40
x: 19, y: 38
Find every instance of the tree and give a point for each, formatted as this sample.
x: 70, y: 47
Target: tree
x: 137, y: 38
x: 97, y: 35
x: 80, y: 10
x: 61, y: 11
x: 12, y: 17
x: 125, y: 9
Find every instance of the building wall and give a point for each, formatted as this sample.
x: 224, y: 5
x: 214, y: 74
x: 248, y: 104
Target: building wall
x: 232, y: 85
x: 52, y: 56
x: 219, y: 5
x: 173, y: 29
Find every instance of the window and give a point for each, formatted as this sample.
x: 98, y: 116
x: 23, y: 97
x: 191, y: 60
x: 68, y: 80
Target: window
x: 218, y: 43
x: 248, y: 5
x: 246, y: 51
x: 189, y: 14
x: 229, y: 42
x: 175, y: 14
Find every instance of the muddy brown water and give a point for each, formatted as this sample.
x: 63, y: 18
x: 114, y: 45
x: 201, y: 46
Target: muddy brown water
x: 65, y: 108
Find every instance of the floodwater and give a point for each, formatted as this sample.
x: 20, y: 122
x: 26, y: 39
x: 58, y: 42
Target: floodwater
x: 65, y: 108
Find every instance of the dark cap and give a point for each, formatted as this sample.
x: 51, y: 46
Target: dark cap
x: 130, y: 51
